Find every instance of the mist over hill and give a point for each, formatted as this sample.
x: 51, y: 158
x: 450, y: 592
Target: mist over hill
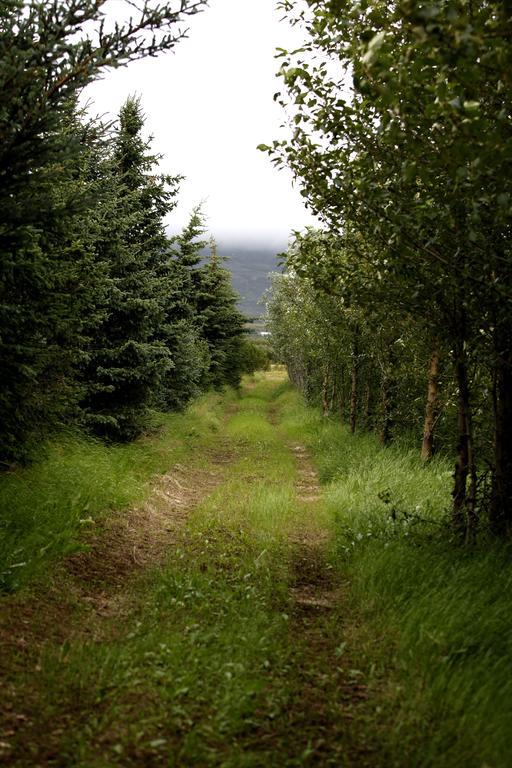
x: 250, y: 265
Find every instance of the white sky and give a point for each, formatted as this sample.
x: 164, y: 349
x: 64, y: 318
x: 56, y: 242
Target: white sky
x: 208, y: 105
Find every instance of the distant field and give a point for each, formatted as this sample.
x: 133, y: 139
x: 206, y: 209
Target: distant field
x: 256, y: 327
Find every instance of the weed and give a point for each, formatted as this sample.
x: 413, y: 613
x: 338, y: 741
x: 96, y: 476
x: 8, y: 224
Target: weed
x: 45, y: 508
x: 434, y: 619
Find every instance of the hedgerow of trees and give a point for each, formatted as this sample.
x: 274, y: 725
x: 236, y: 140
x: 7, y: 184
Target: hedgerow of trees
x: 401, y: 137
x: 103, y: 317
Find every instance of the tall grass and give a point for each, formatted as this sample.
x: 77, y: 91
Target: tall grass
x: 444, y: 615
x: 199, y: 672
x: 435, y: 627
x: 44, y: 508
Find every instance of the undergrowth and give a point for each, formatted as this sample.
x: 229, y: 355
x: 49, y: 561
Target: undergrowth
x: 44, y: 508
x: 209, y: 662
x: 433, y: 632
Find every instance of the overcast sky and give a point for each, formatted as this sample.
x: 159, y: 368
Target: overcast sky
x: 208, y: 105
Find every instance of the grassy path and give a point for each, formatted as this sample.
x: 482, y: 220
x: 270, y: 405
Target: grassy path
x: 203, y: 628
x: 254, y: 608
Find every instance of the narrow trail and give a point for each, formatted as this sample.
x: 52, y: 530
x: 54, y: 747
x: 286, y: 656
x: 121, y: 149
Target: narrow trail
x: 328, y: 696
x: 89, y: 596
x: 190, y: 632
x: 313, y: 585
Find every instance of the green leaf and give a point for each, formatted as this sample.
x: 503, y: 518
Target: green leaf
x: 374, y: 46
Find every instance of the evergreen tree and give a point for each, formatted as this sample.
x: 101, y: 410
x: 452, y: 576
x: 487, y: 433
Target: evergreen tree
x: 221, y: 323
x: 49, y: 52
x: 130, y: 357
x: 207, y: 310
x: 45, y: 288
x: 180, y: 331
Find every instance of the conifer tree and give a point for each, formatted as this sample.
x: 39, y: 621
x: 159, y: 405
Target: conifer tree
x: 129, y: 357
x: 49, y: 52
x: 45, y: 287
x: 221, y: 322
x: 181, y: 331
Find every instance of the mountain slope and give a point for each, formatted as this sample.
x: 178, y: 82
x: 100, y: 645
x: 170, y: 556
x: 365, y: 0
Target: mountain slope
x: 250, y: 266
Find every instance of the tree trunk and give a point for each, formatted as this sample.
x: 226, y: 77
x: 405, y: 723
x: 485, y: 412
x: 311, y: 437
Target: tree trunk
x: 294, y: 376
x: 387, y: 392
x: 464, y: 498
x: 368, y: 407
x: 501, y: 499
x: 307, y: 382
x: 431, y: 408
x: 353, y: 398
x: 325, y: 389
x: 354, y: 381
x: 386, y: 407
x: 334, y: 394
x: 341, y: 404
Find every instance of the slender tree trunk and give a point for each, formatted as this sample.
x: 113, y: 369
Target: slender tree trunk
x: 341, y: 404
x: 307, y: 381
x: 501, y: 499
x: 387, y: 395
x: 368, y: 406
x: 334, y: 394
x: 354, y: 380
x: 431, y: 408
x: 297, y: 377
x: 353, y: 398
x: 472, y: 512
x: 325, y: 390
x: 464, y: 497
x: 386, y: 410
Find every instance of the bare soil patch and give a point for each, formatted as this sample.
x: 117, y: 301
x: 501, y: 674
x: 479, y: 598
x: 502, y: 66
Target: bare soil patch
x: 324, y: 709
x: 138, y: 538
x: 90, y: 586
x: 308, y: 487
x: 311, y: 534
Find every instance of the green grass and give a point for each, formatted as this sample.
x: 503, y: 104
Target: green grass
x: 447, y: 651
x: 44, y: 509
x: 193, y: 676
x: 433, y: 632
x: 207, y: 663
x: 198, y: 673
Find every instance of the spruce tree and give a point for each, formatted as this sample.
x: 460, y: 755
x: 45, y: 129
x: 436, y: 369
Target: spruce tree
x: 209, y: 304
x: 221, y: 323
x: 181, y: 331
x: 45, y: 286
x: 49, y: 52
x: 129, y: 357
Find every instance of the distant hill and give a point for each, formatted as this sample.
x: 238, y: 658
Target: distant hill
x: 250, y: 266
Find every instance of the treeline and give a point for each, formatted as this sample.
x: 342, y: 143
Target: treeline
x: 364, y: 362
x: 402, y: 141
x: 103, y: 317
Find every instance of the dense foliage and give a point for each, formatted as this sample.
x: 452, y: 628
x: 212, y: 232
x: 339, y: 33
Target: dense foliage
x: 401, y: 138
x: 103, y: 316
x: 361, y: 361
